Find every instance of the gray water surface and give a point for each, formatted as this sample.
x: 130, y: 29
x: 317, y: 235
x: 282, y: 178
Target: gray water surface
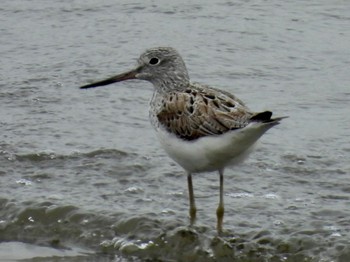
x: 82, y: 176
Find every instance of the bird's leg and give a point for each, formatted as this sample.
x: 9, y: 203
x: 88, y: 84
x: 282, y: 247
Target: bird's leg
x: 193, y: 209
x: 220, y: 210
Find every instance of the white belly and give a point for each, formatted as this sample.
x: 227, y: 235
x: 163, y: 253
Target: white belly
x: 214, y: 152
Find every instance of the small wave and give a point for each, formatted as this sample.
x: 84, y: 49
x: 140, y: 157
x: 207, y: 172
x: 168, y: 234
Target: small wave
x: 45, y: 156
x: 9, y: 252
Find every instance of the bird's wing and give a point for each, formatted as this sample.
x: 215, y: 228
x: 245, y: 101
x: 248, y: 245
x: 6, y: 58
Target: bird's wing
x: 196, y: 112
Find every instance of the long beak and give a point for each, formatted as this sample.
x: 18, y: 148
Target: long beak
x: 118, y: 78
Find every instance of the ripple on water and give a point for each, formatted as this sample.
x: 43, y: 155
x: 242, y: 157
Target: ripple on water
x: 147, y: 237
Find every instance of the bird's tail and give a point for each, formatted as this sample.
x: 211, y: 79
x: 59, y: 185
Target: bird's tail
x: 265, y: 117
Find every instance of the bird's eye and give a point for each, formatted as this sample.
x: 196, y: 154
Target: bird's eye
x: 154, y: 61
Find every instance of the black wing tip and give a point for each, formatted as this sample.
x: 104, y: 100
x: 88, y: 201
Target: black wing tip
x: 262, y: 116
x: 265, y: 117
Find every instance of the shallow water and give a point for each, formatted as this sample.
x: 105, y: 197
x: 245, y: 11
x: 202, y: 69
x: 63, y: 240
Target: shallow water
x: 82, y: 176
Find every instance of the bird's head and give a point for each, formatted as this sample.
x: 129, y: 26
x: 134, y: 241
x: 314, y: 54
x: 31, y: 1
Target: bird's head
x: 162, y: 66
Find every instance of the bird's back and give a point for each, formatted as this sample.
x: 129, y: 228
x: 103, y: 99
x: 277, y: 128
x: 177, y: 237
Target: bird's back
x: 197, y: 111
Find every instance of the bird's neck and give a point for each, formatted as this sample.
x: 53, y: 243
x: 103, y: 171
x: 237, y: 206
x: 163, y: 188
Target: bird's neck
x: 174, y: 82
x: 169, y: 86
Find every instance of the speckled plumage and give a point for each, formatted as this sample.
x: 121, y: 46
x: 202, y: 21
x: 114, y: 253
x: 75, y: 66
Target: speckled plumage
x: 200, y: 127
x: 200, y: 111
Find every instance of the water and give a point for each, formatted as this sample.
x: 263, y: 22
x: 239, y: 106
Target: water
x: 82, y: 177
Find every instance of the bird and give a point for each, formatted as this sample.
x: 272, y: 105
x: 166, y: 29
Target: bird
x: 203, y: 129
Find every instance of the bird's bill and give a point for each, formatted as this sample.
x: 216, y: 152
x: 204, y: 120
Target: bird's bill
x: 118, y: 78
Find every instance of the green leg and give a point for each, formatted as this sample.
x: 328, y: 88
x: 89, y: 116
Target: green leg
x: 193, y: 209
x: 220, y: 210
